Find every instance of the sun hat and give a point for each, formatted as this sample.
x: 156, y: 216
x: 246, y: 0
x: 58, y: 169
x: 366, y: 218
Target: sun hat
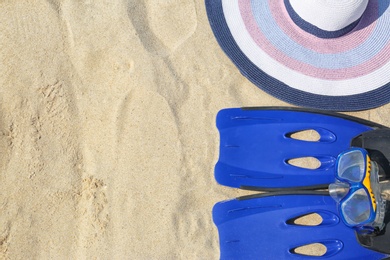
x: 325, y: 54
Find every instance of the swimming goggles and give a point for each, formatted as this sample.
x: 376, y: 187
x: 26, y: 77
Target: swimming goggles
x: 357, y: 191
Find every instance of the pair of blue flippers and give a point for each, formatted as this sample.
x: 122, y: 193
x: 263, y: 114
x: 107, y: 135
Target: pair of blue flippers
x: 256, y: 147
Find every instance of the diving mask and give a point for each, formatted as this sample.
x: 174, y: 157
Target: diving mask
x: 357, y: 191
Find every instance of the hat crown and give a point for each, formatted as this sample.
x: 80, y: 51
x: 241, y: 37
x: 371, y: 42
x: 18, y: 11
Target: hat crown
x: 329, y: 15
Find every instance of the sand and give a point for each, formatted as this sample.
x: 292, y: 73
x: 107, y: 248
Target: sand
x: 107, y: 129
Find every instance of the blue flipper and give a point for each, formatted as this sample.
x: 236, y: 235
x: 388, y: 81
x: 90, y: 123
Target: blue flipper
x: 262, y: 228
x: 255, y: 146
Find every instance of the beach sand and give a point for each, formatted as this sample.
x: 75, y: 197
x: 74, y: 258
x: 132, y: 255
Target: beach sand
x: 107, y: 129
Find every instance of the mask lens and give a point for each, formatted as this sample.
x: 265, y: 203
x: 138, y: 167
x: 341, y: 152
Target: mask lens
x: 356, y: 209
x: 351, y: 166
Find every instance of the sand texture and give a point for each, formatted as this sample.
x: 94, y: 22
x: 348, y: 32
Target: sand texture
x: 107, y: 129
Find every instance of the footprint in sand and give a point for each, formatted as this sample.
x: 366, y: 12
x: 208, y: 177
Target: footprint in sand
x: 5, y: 143
x: 148, y: 157
x: 168, y: 23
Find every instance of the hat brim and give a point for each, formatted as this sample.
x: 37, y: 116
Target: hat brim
x: 355, y: 76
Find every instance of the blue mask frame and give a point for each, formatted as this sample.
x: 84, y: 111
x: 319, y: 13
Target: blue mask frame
x: 353, y: 190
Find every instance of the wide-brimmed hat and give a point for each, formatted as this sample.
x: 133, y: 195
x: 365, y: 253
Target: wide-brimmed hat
x: 326, y: 54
